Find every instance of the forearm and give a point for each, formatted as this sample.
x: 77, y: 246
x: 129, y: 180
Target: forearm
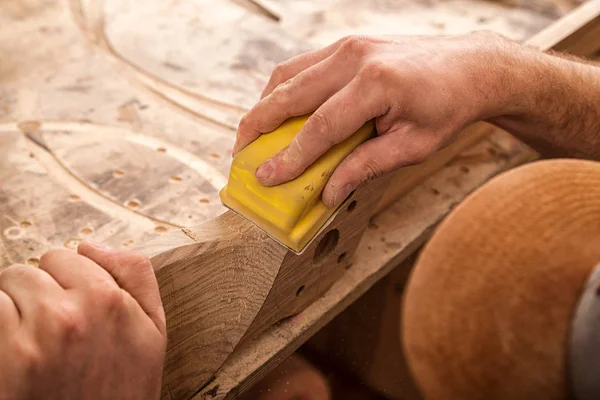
x: 553, y: 103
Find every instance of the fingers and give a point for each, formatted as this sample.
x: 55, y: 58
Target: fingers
x: 133, y: 272
x: 300, y: 95
x: 337, y: 119
x: 297, y: 64
x: 72, y: 270
x: 26, y: 286
x: 374, y: 158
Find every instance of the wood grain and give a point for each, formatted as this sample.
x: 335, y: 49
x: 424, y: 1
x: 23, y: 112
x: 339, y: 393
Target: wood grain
x: 113, y: 133
x: 391, y: 237
x: 213, y: 281
x: 137, y: 131
x: 224, y: 282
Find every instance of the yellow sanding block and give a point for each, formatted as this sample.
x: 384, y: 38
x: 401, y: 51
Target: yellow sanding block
x: 291, y: 213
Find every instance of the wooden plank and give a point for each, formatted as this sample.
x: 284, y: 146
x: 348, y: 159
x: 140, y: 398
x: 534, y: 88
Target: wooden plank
x: 365, y: 340
x: 577, y: 33
x: 224, y: 282
x: 393, y: 235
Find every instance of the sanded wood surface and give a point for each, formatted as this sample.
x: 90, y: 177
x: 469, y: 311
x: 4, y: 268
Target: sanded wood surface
x: 225, y: 281
x: 392, y: 236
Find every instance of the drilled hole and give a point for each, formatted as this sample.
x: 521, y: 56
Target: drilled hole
x: 118, y: 173
x: 73, y: 197
x: 215, y: 155
x: 13, y: 232
x: 86, y: 231
x: 161, y: 150
x: 352, y: 206
x: 176, y: 178
x: 464, y: 170
x: 160, y: 229
x: 133, y: 204
x: 327, y: 245
x: 204, y: 201
x: 72, y: 243
x: 435, y: 191
x: 341, y: 257
x: 33, y: 261
x: 25, y: 224
x: 300, y: 290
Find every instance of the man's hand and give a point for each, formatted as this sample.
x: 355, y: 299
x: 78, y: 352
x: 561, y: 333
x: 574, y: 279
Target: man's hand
x: 422, y: 91
x: 87, y: 325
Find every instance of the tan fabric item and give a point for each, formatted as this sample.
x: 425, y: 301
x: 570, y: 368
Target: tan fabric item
x: 490, y: 302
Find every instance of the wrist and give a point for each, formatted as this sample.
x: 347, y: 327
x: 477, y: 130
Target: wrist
x: 503, y: 74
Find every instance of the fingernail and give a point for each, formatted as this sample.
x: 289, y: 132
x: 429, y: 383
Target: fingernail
x: 264, y: 171
x: 342, y: 194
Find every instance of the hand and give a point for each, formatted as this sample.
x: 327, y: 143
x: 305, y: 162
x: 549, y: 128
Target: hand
x: 421, y: 91
x: 81, y: 326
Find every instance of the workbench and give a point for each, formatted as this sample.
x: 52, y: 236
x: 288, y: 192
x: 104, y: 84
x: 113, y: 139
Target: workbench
x: 117, y: 120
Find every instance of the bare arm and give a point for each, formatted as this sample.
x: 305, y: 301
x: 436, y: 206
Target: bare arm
x: 422, y: 92
x: 555, y: 104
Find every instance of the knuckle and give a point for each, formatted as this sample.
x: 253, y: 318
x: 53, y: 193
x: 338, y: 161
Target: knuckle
x: 321, y: 126
x: 416, y: 154
x: 139, y: 262
x: 375, y: 70
x: 15, y: 271
x: 281, y: 94
x: 51, y: 257
x: 70, y: 319
x: 356, y: 45
x: 293, y: 159
x: 246, y: 123
x: 279, y: 73
x: 28, y: 355
x: 373, y: 169
x: 107, y: 295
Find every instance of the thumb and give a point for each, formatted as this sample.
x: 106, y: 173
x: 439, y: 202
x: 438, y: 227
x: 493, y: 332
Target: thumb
x: 133, y: 273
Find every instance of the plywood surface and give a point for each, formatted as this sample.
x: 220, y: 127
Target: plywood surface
x: 117, y: 118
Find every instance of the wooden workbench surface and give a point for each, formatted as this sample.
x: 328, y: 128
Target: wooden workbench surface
x: 117, y: 120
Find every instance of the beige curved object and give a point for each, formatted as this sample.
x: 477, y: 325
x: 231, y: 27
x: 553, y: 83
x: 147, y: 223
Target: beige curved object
x: 490, y: 302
